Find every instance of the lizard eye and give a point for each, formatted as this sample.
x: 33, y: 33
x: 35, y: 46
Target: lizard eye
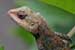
x: 22, y: 16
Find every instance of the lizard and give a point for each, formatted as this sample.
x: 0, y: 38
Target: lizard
x: 35, y: 23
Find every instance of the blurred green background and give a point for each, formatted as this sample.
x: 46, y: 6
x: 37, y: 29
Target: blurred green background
x: 2, y: 48
x: 60, y: 15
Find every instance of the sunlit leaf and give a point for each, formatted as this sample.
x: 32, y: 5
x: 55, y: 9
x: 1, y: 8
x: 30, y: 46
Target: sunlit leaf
x: 67, y: 5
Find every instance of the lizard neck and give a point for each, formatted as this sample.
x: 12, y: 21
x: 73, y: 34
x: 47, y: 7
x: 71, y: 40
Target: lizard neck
x: 43, y: 29
x: 48, y: 40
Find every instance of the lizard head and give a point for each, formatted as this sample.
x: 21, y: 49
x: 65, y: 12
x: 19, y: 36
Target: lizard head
x: 26, y: 18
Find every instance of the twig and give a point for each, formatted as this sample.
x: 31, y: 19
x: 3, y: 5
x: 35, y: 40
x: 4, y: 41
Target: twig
x: 72, y: 31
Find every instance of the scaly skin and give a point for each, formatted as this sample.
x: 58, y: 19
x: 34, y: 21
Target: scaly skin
x: 35, y: 23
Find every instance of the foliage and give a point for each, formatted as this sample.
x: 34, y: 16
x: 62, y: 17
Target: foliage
x: 2, y: 48
x: 67, y: 5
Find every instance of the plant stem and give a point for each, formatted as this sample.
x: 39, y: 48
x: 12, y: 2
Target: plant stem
x: 71, y: 33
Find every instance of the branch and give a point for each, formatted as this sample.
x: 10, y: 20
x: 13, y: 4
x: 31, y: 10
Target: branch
x: 72, y: 31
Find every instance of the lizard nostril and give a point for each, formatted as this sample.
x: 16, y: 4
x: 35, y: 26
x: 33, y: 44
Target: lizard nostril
x: 22, y: 16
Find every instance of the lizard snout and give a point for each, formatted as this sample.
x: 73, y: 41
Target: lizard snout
x: 20, y: 14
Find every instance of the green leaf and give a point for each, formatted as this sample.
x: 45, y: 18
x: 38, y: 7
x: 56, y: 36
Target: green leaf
x: 2, y: 48
x: 26, y: 37
x: 72, y: 46
x: 68, y: 5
